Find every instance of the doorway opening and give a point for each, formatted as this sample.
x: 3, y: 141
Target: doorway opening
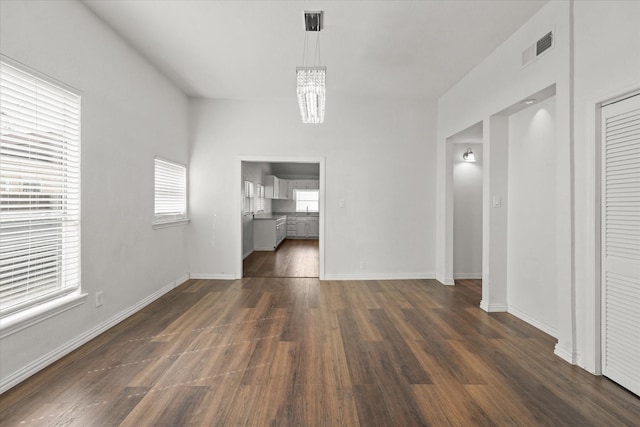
x: 281, y: 217
x: 466, y: 158
x: 467, y: 203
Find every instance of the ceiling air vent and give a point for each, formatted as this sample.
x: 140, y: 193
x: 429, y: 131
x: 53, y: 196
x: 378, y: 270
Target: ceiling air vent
x: 538, y: 48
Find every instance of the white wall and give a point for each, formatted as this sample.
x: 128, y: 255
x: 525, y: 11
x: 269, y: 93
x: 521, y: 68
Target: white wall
x: 284, y: 205
x: 500, y: 82
x: 531, y: 256
x: 607, y: 64
x: 467, y: 213
x: 379, y: 158
x: 254, y: 172
x: 604, y: 39
x: 130, y: 113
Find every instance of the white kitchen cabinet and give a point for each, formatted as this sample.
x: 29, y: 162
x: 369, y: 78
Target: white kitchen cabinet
x: 313, y: 227
x: 285, y: 192
x: 272, y: 187
x: 292, y: 225
x: 302, y: 184
x: 278, y: 188
x: 301, y: 227
x: 307, y: 226
x: 268, y: 233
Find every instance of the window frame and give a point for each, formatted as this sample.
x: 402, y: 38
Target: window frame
x: 259, y: 195
x: 297, y: 194
x: 248, y: 197
x: 61, y: 151
x: 170, y: 218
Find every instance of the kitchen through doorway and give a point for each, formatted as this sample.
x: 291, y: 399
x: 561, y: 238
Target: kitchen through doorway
x: 282, y: 217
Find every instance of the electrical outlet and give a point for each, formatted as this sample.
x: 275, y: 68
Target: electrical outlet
x: 99, y: 300
x: 363, y: 264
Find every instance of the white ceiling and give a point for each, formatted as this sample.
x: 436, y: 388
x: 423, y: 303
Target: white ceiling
x: 249, y: 49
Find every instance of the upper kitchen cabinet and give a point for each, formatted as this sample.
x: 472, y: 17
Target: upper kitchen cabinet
x: 285, y: 192
x: 278, y: 188
x: 307, y: 184
x: 272, y: 187
x: 302, y: 184
x: 284, y: 189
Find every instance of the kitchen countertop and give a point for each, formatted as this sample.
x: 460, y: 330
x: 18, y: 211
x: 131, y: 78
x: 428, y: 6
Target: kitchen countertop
x: 271, y: 216
x: 297, y: 214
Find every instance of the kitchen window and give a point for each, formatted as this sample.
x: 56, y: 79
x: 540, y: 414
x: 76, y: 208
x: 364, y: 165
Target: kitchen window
x: 39, y: 192
x: 247, y: 201
x: 260, y: 198
x: 307, y: 200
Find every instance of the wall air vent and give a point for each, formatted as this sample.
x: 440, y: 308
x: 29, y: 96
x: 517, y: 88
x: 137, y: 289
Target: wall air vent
x: 538, y: 48
x: 544, y: 43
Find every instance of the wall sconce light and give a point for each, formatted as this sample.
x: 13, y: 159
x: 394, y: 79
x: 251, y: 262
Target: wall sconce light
x: 468, y: 156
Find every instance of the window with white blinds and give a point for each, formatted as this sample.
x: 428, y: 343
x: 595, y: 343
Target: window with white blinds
x: 260, y: 199
x: 247, y: 201
x: 39, y: 189
x: 170, y: 192
x: 307, y: 200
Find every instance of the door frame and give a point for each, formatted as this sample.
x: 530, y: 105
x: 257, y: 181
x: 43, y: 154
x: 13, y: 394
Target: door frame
x: 281, y: 159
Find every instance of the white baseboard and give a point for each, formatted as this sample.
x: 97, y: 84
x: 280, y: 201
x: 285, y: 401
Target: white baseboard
x: 467, y: 275
x: 566, y: 355
x: 447, y: 281
x: 379, y: 276
x: 49, y: 358
x: 493, y: 308
x: 533, y: 322
x: 180, y: 280
x: 212, y: 276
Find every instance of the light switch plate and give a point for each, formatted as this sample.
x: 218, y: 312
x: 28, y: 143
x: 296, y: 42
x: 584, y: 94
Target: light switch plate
x: 497, y: 201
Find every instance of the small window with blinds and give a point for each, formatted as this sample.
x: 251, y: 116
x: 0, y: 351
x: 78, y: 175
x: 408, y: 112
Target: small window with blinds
x: 247, y: 200
x: 39, y: 189
x: 260, y: 199
x: 170, y: 193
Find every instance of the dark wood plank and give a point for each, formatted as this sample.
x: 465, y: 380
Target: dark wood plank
x: 293, y: 258
x: 296, y: 351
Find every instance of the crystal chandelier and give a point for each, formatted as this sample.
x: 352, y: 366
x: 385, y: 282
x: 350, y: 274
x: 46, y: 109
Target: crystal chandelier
x: 311, y: 80
x: 311, y: 93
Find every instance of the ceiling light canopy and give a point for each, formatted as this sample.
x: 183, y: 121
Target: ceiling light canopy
x: 311, y: 79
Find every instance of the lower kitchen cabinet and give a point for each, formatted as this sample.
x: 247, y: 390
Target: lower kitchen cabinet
x: 307, y: 227
x: 292, y: 226
x: 269, y: 233
x: 313, y: 228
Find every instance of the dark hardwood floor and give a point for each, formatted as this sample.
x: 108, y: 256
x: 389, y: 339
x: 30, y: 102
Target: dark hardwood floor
x: 300, y: 352
x: 293, y: 258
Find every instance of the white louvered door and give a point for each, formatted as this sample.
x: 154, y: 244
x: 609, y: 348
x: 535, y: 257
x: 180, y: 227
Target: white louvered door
x: 621, y: 242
